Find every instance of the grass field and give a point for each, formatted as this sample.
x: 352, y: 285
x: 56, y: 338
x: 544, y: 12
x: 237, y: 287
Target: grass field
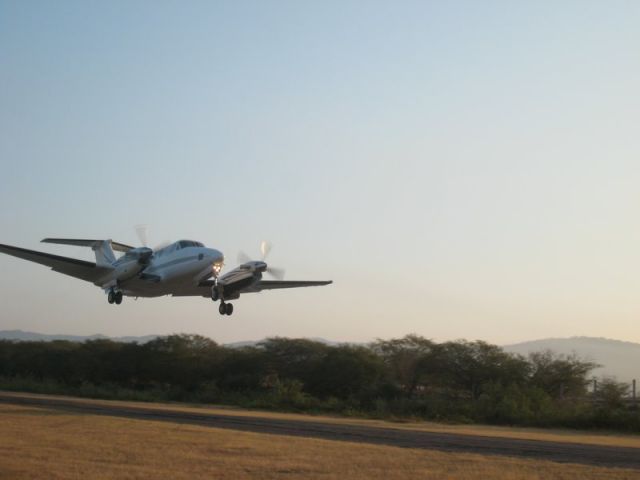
x: 38, y: 443
x: 554, y: 435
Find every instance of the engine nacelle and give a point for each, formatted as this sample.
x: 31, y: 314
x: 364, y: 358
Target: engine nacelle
x: 122, y: 272
x: 142, y: 254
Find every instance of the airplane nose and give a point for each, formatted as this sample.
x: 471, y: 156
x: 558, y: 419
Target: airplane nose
x: 217, y: 260
x: 216, y: 256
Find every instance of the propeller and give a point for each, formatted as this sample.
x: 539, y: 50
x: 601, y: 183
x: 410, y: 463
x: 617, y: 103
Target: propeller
x: 141, y: 232
x: 144, y: 253
x: 277, y: 273
x: 265, y: 248
x: 161, y: 245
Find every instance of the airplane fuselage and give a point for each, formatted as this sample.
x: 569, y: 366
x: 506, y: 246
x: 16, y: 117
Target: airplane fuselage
x: 169, y: 268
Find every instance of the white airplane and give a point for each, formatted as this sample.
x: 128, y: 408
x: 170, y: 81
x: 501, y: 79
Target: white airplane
x: 183, y: 268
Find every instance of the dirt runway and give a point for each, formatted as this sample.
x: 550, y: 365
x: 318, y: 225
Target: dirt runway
x: 604, y: 456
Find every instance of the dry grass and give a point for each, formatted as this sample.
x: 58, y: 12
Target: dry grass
x: 39, y: 443
x: 554, y: 435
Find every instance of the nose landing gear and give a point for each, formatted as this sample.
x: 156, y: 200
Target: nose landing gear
x: 114, y: 296
x: 217, y: 294
x: 225, y: 308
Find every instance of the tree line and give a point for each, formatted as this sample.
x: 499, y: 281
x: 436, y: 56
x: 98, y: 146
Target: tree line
x: 409, y: 377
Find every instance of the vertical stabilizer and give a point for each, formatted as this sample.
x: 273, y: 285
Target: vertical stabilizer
x: 104, y: 253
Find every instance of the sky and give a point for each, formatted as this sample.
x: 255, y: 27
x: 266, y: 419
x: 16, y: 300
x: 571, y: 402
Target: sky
x: 459, y: 169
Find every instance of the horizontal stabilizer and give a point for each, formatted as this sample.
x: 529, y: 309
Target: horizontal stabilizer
x: 119, y: 247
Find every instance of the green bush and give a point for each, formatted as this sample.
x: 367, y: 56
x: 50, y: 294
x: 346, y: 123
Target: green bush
x: 407, y: 378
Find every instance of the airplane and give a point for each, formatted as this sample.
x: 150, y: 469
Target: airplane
x: 180, y: 269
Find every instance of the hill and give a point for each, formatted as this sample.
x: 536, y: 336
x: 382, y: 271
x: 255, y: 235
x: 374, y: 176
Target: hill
x: 618, y: 359
x: 23, y: 336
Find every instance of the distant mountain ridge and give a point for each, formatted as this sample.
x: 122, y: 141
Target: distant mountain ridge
x: 23, y: 336
x: 618, y: 358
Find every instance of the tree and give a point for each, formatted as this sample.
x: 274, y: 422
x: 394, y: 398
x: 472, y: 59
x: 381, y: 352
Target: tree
x: 468, y: 366
x: 406, y: 359
x: 611, y: 393
x: 179, y: 360
x: 346, y: 371
x: 295, y: 358
x: 560, y: 375
x: 243, y: 369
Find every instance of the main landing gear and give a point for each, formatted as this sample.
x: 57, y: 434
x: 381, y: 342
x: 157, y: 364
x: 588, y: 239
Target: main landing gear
x: 225, y: 308
x: 114, y: 296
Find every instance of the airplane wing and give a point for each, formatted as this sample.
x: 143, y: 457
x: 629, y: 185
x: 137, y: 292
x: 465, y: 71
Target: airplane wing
x: 69, y: 266
x: 203, y: 289
x: 274, y: 284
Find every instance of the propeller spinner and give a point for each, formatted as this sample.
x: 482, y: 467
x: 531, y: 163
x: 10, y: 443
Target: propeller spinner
x: 143, y: 253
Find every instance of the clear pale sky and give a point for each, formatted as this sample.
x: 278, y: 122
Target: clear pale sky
x: 459, y: 169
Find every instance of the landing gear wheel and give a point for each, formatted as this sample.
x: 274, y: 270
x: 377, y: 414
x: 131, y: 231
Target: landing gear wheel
x: 111, y: 296
x: 228, y: 309
x: 222, y: 308
x: 118, y: 298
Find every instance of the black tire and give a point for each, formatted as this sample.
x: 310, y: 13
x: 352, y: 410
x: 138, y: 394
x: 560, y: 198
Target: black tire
x: 118, y: 298
x: 222, y: 308
x: 111, y: 297
x: 229, y: 309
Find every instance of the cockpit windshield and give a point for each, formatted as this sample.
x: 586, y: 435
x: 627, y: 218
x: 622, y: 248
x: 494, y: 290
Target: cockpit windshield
x: 177, y: 246
x: 189, y: 243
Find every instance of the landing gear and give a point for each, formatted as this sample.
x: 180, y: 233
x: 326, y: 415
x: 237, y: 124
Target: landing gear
x: 218, y: 294
x: 114, y: 297
x: 225, y: 308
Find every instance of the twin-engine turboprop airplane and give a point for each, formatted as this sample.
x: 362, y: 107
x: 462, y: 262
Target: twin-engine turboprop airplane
x: 183, y: 268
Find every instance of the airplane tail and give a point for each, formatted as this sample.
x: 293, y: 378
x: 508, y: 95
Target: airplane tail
x: 103, y: 249
x: 104, y: 253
